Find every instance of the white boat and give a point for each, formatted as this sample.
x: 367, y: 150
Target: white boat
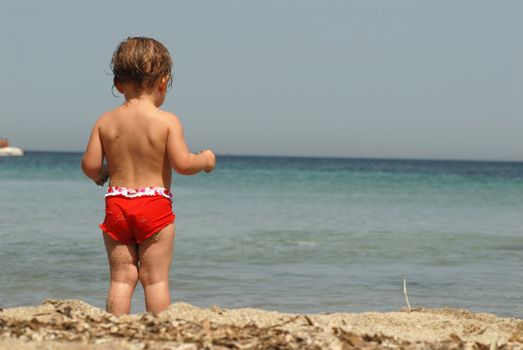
x: 11, y: 151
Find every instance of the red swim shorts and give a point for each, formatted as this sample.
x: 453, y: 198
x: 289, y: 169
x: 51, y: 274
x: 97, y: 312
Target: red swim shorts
x: 132, y: 216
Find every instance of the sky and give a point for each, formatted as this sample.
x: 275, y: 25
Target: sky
x: 439, y: 79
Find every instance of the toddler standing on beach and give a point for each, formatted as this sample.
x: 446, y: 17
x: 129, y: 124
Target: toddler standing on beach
x: 141, y: 145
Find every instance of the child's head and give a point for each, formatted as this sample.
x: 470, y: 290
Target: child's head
x: 142, y: 62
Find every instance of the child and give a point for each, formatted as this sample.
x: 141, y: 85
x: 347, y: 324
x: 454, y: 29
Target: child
x: 141, y: 143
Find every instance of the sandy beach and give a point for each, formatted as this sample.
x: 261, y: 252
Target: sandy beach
x: 74, y: 324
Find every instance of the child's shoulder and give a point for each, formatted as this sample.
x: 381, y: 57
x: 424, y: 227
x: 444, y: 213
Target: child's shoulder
x: 167, y: 115
x: 170, y: 118
x: 107, y: 115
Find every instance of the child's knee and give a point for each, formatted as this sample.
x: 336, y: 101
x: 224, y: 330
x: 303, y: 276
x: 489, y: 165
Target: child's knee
x: 148, y: 277
x: 145, y: 276
x: 127, y: 275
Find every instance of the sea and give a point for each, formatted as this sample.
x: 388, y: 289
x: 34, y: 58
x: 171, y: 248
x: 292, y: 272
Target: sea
x: 303, y: 235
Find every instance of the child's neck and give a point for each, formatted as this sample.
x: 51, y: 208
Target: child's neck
x: 141, y: 98
x: 134, y: 94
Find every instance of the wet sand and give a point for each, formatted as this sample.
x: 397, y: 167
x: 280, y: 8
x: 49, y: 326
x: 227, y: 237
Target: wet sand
x: 73, y: 324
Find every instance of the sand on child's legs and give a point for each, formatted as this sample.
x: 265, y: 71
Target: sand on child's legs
x: 123, y: 267
x: 155, y: 257
x: 149, y: 262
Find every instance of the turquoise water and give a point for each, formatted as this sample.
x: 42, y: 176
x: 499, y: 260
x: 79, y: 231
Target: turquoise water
x: 289, y: 234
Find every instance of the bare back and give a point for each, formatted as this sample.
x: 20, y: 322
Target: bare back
x: 134, y: 140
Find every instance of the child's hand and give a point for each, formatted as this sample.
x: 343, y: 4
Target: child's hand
x: 210, y: 160
x: 104, y: 176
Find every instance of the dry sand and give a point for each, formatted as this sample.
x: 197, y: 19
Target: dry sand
x: 65, y: 325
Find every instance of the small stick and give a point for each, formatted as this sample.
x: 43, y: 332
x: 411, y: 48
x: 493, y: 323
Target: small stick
x: 406, y: 295
x: 494, y: 344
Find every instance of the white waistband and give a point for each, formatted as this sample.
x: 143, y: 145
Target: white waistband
x: 139, y: 192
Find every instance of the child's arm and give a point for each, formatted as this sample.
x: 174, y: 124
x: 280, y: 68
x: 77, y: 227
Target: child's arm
x: 92, y: 161
x: 182, y: 160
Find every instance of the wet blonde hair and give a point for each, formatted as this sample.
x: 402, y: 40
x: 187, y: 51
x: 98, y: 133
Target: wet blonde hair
x: 141, y: 61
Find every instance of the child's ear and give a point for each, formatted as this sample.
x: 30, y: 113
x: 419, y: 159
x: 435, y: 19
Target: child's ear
x: 118, y: 86
x: 163, y: 83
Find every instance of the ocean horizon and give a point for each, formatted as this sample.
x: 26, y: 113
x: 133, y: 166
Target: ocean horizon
x: 443, y: 159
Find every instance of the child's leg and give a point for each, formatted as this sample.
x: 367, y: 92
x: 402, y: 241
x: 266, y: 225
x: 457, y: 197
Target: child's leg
x: 123, y: 264
x: 155, y: 255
